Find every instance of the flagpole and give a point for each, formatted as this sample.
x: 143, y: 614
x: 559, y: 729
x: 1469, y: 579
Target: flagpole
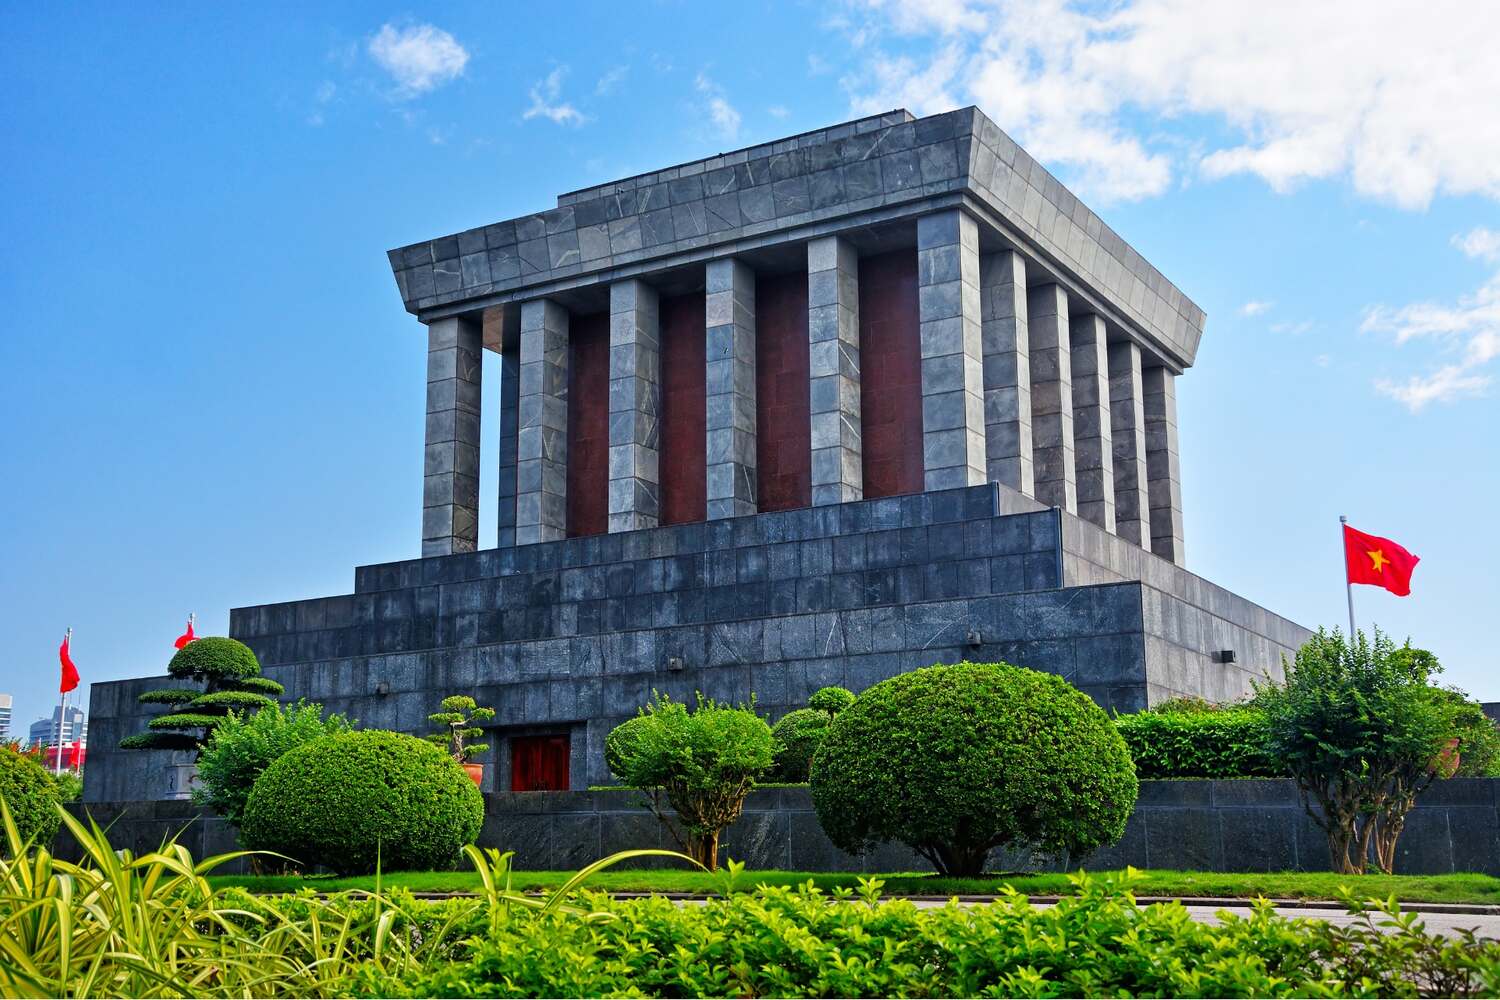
x: 62, y: 712
x: 1348, y: 587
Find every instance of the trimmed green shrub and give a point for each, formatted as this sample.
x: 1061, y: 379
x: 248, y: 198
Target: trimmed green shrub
x: 622, y: 743
x: 229, y: 673
x: 242, y: 746
x: 704, y: 762
x: 215, y: 658
x: 352, y: 800
x: 955, y: 761
x: 780, y: 942
x: 1199, y: 744
x: 799, y: 732
x: 31, y: 795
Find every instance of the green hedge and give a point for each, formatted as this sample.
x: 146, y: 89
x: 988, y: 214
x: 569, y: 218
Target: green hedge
x: 1225, y: 744
x: 31, y: 795
x: 779, y: 942
x: 352, y: 800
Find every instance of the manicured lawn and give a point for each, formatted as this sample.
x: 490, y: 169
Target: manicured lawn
x: 1292, y: 885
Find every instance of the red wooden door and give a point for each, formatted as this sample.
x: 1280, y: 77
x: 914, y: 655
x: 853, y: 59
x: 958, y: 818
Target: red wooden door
x: 539, y: 763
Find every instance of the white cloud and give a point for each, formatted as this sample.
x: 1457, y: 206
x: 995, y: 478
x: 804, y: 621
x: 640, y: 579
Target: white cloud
x: 1255, y: 308
x: 1323, y: 360
x: 723, y: 115
x: 1479, y: 243
x: 419, y: 58
x: 778, y: 111
x: 322, y: 97
x: 1397, y: 101
x: 547, y: 102
x: 1466, y: 332
x: 610, y: 80
x: 1295, y: 329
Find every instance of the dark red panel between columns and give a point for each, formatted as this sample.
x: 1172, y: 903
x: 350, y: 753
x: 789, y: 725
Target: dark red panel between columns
x: 890, y: 364
x: 783, y: 424
x: 588, y: 424
x: 684, y: 488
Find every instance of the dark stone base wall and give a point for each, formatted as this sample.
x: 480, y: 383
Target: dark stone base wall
x: 1246, y: 826
x: 573, y: 636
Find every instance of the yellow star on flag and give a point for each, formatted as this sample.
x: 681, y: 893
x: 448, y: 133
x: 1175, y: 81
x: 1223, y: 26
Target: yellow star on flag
x: 1377, y: 557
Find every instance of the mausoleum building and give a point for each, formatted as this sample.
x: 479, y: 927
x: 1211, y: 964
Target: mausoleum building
x: 815, y: 412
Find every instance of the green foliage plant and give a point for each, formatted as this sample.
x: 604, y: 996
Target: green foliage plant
x: 955, y: 761
x: 702, y: 762
x: 32, y: 794
x: 457, y: 727
x: 243, y: 745
x: 1360, y: 727
x: 799, y: 732
x: 1199, y: 744
x: 352, y: 800
x: 229, y: 677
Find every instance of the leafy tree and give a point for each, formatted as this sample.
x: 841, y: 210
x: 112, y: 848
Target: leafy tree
x: 799, y: 732
x: 31, y: 794
x: 457, y: 721
x: 229, y: 675
x: 243, y: 745
x: 703, y: 761
x: 955, y: 761
x: 1362, y: 730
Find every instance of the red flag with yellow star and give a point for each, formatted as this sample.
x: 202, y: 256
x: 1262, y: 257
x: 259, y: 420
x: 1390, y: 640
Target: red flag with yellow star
x: 1378, y: 561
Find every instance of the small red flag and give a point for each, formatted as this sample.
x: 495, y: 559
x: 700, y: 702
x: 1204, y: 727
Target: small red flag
x: 1378, y: 561
x: 186, y: 637
x: 69, y: 671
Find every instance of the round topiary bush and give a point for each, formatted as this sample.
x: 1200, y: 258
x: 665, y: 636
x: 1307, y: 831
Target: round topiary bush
x: 955, y: 761
x: 798, y: 734
x: 347, y: 800
x: 32, y: 796
x: 214, y: 657
x: 832, y: 700
x: 621, y: 744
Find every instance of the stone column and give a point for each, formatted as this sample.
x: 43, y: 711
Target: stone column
x: 450, y: 487
x: 510, y: 419
x: 953, y: 428
x: 1128, y: 435
x: 1159, y: 402
x: 729, y: 387
x: 542, y: 444
x: 634, y: 406
x: 833, y: 371
x: 1052, y: 397
x: 1093, y: 454
x: 1007, y: 371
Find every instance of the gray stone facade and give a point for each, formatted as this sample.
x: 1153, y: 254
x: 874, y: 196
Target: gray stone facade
x: 572, y: 636
x: 833, y: 371
x: 729, y: 388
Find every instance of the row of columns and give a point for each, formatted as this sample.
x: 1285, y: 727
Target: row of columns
x: 1016, y: 388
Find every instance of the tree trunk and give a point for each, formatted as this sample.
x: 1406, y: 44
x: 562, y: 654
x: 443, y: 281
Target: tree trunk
x: 962, y: 861
x: 704, y: 849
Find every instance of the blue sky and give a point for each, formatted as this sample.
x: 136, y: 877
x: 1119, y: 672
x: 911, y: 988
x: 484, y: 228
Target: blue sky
x: 210, y: 395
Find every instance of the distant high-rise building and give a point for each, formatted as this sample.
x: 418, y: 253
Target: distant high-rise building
x: 4, y: 716
x: 44, y: 731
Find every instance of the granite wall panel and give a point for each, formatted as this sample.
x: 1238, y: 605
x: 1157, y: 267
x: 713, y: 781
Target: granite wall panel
x: 1244, y: 825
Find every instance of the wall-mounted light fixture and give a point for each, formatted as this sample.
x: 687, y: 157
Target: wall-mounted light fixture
x: 382, y: 688
x: 973, y: 639
x: 1222, y: 656
x: 675, y: 663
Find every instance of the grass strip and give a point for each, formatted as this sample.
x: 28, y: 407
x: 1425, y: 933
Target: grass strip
x: 1460, y: 888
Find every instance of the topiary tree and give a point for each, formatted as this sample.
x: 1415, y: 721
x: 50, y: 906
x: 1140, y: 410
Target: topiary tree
x: 243, y: 745
x: 352, y: 800
x: 799, y: 732
x: 955, y: 761
x: 704, y: 762
x: 31, y: 795
x: 1363, y: 731
x: 457, y: 719
x: 230, y: 677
